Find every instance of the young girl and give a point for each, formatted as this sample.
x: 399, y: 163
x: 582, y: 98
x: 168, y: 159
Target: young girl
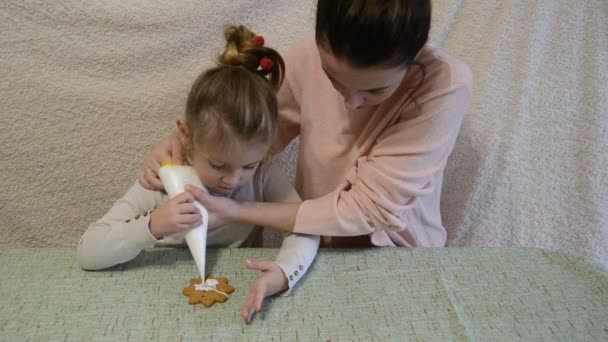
x: 229, y: 126
x: 377, y: 111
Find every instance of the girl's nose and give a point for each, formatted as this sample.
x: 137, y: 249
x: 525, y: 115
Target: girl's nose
x: 231, y: 180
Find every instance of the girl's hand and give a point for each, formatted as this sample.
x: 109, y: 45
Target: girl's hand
x: 270, y: 282
x: 168, y: 149
x: 221, y: 210
x: 176, y: 215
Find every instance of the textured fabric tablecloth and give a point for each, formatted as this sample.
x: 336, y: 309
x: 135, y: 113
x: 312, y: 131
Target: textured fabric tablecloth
x: 381, y: 294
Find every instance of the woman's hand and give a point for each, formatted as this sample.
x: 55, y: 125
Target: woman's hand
x: 168, y: 149
x: 270, y: 282
x: 222, y: 210
x: 176, y: 215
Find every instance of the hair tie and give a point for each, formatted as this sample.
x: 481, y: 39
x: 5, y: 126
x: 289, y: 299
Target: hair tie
x: 266, y: 64
x: 258, y: 40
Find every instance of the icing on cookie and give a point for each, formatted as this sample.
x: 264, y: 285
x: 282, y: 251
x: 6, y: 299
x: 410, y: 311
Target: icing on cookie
x: 209, y: 285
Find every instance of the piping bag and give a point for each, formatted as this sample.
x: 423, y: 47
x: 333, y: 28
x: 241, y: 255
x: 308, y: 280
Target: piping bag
x: 175, y: 178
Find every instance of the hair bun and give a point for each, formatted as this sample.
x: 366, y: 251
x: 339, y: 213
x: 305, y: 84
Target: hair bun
x: 242, y: 50
x: 238, y: 48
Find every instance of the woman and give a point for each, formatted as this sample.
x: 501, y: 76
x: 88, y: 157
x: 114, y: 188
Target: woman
x: 378, y: 112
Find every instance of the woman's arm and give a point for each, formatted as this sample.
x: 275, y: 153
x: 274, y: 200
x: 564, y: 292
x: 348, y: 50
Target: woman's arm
x: 280, y: 216
x: 276, y: 206
x: 168, y: 149
x: 222, y: 211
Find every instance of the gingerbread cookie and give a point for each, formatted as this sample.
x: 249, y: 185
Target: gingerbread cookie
x: 213, y: 290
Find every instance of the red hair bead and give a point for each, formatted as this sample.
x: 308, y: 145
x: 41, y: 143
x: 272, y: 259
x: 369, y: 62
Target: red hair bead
x: 258, y: 40
x: 266, y: 64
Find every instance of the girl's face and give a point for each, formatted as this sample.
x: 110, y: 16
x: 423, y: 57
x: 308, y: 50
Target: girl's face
x: 361, y: 87
x: 223, y: 171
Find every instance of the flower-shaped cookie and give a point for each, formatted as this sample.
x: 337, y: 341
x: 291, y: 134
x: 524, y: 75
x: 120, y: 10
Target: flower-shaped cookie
x: 213, y: 290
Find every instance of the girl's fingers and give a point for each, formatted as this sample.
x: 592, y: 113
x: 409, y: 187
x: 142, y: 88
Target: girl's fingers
x: 259, y: 265
x: 258, y: 299
x: 190, y: 220
x: 258, y: 293
x: 185, y: 198
x: 254, y: 301
x: 260, y: 287
x: 187, y: 208
x: 248, y: 309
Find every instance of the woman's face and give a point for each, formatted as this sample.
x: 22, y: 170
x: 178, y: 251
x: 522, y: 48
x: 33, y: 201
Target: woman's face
x: 361, y: 87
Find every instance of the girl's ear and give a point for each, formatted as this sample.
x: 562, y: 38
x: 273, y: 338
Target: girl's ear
x: 183, y: 133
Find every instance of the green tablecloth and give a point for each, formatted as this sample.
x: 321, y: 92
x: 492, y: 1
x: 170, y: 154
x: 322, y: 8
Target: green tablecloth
x: 381, y: 294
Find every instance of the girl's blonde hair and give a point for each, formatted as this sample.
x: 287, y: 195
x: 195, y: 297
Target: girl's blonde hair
x: 237, y: 98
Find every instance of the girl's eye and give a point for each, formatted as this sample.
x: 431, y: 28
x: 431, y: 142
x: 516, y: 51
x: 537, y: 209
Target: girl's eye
x: 216, y: 166
x: 250, y: 167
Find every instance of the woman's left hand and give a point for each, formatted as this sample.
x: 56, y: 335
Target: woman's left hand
x: 270, y: 282
x: 221, y: 209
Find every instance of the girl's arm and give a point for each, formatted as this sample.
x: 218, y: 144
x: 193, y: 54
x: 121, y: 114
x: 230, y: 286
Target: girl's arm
x: 297, y: 251
x: 295, y: 257
x: 122, y: 233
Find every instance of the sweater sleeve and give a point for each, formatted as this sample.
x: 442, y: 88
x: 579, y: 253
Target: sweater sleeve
x: 122, y: 233
x: 297, y: 251
x: 288, y: 123
x: 381, y: 189
x: 295, y: 257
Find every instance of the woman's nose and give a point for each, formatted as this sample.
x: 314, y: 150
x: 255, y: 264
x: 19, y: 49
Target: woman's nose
x: 353, y: 100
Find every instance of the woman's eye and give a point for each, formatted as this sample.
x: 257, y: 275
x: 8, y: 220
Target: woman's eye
x: 377, y: 92
x: 334, y: 83
x: 250, y: 167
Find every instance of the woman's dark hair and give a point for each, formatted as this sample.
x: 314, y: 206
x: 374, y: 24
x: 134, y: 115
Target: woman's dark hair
x: 372, y: 32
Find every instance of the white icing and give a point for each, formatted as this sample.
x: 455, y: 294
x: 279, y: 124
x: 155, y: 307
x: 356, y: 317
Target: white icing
x: 211, y: 282
x: 209, y: 285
